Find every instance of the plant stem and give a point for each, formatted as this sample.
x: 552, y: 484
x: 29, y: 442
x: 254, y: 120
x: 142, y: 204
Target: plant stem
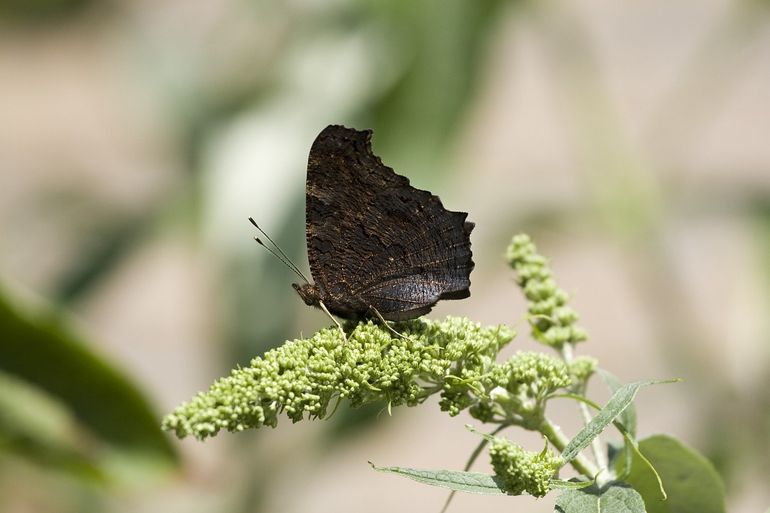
x: 553, y: 434
x: 596, y: 444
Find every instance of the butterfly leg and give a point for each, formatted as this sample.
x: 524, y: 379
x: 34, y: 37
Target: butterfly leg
x: 385, y: 323
x: 323, y: 307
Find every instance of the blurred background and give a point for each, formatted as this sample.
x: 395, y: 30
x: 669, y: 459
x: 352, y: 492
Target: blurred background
x: 630, y: 139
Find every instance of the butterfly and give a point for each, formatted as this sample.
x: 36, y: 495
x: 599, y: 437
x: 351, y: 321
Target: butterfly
x: 377, y: 246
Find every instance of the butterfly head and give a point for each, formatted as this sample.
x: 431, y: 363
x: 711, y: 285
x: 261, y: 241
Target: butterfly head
x: 308, y: 292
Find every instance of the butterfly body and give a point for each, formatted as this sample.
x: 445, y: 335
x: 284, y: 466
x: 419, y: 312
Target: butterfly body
x: 377, y: 245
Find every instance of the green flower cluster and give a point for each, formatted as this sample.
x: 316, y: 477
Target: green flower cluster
x: 303, y: 376
x: 518, y: 388
x: 582, y: 367
x: 553, y: 323
x: 519, y: 471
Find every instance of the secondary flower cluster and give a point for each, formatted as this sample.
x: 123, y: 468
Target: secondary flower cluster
x: 303, y: 376
x: 520, y: 471
x: 553, y: 322
x: 518, y: 388
x: 582, y: 367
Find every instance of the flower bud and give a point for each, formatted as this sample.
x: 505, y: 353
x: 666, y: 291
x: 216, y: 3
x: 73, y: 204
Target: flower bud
x: 520, y: 471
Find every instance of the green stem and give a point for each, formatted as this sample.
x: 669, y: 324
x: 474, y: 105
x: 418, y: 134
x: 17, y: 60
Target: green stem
x: 553, y: 434
x: 596, y: 445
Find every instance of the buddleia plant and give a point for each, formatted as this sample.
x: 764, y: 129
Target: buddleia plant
x: 405, y: 363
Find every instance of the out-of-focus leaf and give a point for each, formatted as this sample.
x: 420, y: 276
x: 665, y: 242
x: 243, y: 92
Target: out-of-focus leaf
x: 441, y: 43
x: 691, y: 482
x: 36, y: 428
x: 43, y: 353
x: 29, y: 12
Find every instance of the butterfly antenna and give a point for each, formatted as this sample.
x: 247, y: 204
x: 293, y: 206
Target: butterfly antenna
x: 283, y: 257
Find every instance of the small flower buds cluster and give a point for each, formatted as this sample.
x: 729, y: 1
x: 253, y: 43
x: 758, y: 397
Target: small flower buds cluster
x: 303, y: 376
x: 520, y: 471
x: 582, y: 367
x: 553, y: 322
x: 518, y: 389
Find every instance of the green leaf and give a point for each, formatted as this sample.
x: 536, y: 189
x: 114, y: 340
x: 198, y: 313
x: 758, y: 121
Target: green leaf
x: 558, y: 484
x: 472, y: 482
x: 632, y: 450
x: 612, y: 498
x: 627, y: 448
x: 628, y: 416
x: 614, y: 407
x: 42, y: 353
x: 692, y: 483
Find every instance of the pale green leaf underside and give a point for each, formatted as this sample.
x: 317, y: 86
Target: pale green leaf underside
x: 471, y: 482
x: 617, y: 403
x: 628, y: 416
x: 613, y: 498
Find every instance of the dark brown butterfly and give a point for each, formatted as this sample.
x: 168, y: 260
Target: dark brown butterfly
x: 377, y: 245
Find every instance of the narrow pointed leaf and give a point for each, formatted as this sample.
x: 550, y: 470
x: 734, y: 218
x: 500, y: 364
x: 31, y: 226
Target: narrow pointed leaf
x: 627, y: 449
x: 617, y: 403
x: 558, y: 484
x: 628, y: 416
x: 471, y: 482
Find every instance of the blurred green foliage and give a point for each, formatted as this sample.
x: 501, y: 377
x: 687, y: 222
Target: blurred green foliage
x: 35, y: 427
x: 47, y: 370
x: 40, y: 13
x: 442, y: 45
